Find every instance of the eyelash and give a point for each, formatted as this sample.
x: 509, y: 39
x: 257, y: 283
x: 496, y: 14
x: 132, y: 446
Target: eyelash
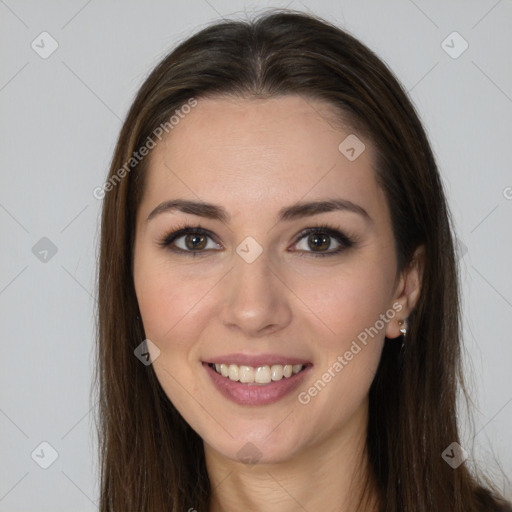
x: 186, y: 229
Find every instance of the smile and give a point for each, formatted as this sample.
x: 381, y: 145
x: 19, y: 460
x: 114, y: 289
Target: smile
x: 256, y: 385
x: 257, y: 375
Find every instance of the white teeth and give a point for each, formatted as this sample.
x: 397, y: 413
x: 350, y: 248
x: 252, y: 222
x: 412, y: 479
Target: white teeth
x: 233, y: 372
x: 262, y: 375
x: 246, y: 374
x: 296, y: 368
x: 259, y: 375
x: 277, y: 372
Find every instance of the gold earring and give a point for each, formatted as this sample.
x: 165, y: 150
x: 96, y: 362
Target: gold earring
x: 403, y: 329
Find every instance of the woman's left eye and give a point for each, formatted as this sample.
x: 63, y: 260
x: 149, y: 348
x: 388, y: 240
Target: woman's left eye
x: 321, y: 237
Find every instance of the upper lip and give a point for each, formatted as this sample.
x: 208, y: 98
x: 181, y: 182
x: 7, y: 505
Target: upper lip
x: 256, y: 360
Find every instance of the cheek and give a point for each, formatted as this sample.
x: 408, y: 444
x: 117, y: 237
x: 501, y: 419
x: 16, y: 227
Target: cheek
x: 351, y: 313
x: 170, y: 307
x: 169, y: 298
x: 345, y: 302
x: 176, y: 306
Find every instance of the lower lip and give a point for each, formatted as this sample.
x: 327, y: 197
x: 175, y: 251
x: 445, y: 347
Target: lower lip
x: 257, y: 394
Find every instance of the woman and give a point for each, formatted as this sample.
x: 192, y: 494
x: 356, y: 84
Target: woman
x: 278, y: 296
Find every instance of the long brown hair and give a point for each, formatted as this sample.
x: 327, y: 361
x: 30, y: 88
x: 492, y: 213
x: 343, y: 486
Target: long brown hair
x: 150, y: 458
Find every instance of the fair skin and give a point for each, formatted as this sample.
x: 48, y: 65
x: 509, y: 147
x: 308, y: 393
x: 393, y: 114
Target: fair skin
x: 253, y: 157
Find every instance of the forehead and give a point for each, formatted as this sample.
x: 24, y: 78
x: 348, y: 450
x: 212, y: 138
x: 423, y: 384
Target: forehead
x: 249, y: 152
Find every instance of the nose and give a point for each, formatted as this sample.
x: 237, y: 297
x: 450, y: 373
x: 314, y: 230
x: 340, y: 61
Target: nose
x: 256, y: 299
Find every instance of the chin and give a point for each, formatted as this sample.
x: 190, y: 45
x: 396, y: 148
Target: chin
x: 251, y: 449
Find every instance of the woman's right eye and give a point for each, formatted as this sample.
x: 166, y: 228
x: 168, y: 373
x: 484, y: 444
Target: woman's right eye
x: 189, y: 240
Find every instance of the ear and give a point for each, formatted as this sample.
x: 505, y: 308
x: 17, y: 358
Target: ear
x: 407, y: 292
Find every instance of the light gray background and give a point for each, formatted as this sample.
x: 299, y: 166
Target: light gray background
x: 59, y: 120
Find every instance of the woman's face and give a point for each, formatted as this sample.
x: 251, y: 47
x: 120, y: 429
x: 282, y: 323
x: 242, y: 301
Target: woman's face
x: 252, y: 291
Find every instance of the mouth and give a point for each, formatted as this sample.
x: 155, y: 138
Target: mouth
x: 260, y: 375
x: 261, y: 384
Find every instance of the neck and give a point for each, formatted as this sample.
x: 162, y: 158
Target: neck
x: 332, y: 475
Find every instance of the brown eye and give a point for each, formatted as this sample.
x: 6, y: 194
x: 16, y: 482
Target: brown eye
x: 195, y: 241
x: 190, y: 241
x: 319, y: 242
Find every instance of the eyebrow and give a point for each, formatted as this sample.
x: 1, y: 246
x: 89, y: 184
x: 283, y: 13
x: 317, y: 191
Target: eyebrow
x: 288, y: 213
